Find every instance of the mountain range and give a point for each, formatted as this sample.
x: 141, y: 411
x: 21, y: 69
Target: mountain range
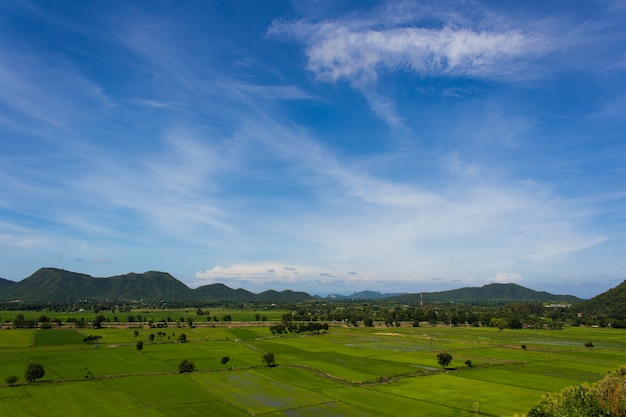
x: 51, y: 284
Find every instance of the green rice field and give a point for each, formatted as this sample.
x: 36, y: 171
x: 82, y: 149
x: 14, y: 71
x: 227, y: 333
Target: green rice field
x: 354, y: 371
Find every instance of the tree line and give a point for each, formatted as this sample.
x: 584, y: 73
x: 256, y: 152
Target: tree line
x: 511, y: 315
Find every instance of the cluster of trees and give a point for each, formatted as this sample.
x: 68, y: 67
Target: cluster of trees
x: 20, y: 322
x: 513, y: 315
x: 312, y: 328
x: 502, y: 315
x: 34, y: 371
x: 186, y: 365
x: 182, y: 338
x: 159, y: 335
x: 92, y: 338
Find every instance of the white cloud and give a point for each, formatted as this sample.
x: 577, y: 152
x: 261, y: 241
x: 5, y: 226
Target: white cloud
x: 359, y: 53
x: 428, y: 40
x: 385, y: 109
x: 506, y: 278
x: 265, y: 274
x: 261, y: 272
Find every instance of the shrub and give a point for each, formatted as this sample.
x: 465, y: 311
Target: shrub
x: 186, y: 366
x: 12, y: 380
x: 269, y: 359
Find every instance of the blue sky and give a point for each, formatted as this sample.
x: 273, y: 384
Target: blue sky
x: 322, y: 146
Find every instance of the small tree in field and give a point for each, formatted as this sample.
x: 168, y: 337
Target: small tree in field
x: 182, y: 338
x: 11, y: 380
x: 139, y: 345
x: 269, y: 359
x: 186, y: 366
x: 225, y: 360
x: 444, y: 359
x: 34, y: 371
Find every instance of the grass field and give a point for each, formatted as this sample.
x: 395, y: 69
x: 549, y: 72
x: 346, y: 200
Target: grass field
x: 346, y: 372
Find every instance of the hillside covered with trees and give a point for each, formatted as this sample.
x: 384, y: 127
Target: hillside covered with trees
x: 58, y: 285
x: 611, y: 303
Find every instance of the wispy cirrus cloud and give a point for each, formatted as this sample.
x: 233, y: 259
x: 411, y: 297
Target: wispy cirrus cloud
x: 359, y: 50
x: 26, y: 92
x: 15, y: 236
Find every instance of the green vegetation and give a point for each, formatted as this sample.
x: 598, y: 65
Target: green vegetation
x: 11, y: 380
x: 336, y: 358
x: 444, y: 359
x: 347, y: 371
x: 62, y: 337
x: 268, y: 359
x: 34, y: 371
x: 57, y: 285
x: 604, y: 398
x: 186, y: 366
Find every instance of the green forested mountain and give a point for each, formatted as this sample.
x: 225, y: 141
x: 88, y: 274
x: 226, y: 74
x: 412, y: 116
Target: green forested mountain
x: 51, y: 284
x: 151, y: 285
x: 5, y: 283
x: 221, y: 292
x: 490, y: 292
x: 283, y: 296
x: 610, y: 303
